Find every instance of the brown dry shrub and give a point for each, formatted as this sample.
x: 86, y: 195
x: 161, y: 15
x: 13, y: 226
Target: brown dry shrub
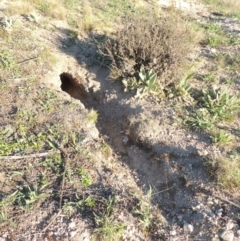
x: 161, y: 44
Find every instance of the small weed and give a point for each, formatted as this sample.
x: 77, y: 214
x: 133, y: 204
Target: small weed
x: 53, y: 163
x: 200, y: 119
x: 6, y: 23
x: 71, y: 4
x: 146, y: 84
x: 6, y: 60
x: 106, y: 149
x: 228, y: 61
x: 27, y: 196
x: 182, y: 89
x: 79, y: 204
x: 220, y: 104
x: 85, y: 179
x: 108, y: 229
x: 221, y: 137
x: 43, y: 7
x: 209, y: 78
x: 92, y: 116
x: 145, y: 212
x: 47, y: 56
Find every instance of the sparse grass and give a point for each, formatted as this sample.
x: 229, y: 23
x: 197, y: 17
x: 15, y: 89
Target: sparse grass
x: 216, y: 36
x: 228, y: 61
x: 221, y: 138
x: 227, y: 7
x: 225, y: 170
x: 106, y: 149
x: 145, y: 213
x: 200, y: 119
x: 210, y: 78
x: 107, y: 228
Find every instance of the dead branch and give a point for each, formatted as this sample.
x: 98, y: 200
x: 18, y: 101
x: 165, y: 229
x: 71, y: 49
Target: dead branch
x: 26, y: 156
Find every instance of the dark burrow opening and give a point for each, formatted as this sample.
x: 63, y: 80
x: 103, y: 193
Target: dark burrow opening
x: 73, y: 86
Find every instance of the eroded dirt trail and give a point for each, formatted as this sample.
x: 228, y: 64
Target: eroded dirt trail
x: 161, y: 155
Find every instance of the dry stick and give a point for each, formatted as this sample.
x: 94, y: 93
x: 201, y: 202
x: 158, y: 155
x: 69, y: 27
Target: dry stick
x: 23, y: 78
x: 26, y: 60
x: 230, y: 202
x: 25, y: 156
x: 54, y: 216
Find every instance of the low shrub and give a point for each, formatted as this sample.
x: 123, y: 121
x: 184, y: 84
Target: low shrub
x: 158, y: 45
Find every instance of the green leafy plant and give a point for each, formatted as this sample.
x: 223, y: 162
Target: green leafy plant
x: 29, y: 195
x: 182, y: 89
x: 200, y: 119
x: 145, y: 83
x: 220, y: 104
x: 85, y: 179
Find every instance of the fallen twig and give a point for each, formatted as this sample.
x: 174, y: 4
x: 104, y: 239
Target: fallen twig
x: 26, y: 60
x: 54, y: 216
x: 23, y: 78
x: 230, y: 202
x: 26, y: 156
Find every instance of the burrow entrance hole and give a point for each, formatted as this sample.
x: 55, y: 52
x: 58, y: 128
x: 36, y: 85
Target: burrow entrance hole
x: 73, y: 86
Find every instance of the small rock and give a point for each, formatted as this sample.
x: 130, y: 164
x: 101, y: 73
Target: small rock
x: 229, y: 225
x: 219, y: 212
x: 173, y: 232
x: 238, y: 233
x: 227, y: 235
x: 188, y: 227
x: 2, y: 239
x: 72, y: 234
x: 125, y: 139
x: 72, y: 225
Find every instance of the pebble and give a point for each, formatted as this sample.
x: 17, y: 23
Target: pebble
x: 173, y: 232
x: 219, y: 212
x: 238, y: 232
x: 125, y: 139
x: 73, y: 233
x: 230, y: 225
x: 227, y: 235
x: 188, y: 227
x: 72, y: 225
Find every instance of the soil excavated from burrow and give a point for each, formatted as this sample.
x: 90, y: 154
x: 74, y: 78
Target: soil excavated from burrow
x: 164, y: 156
